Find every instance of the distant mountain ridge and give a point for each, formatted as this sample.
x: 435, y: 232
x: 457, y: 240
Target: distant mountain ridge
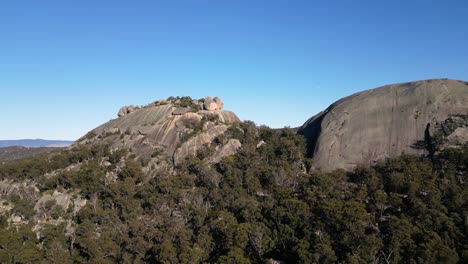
x: 19, y: 153
x: 35, y: 143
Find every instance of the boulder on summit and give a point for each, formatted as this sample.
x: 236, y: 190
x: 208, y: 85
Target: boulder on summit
x: 213, y: 104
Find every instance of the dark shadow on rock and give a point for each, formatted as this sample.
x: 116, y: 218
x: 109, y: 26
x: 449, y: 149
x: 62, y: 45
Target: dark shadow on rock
x: 311, y: 131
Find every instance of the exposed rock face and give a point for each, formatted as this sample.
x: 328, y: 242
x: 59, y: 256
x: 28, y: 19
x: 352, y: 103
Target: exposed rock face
x: 61, y: 199
x: 383, y: 122
x: 64, y: 200
x: 191, y: 146
x: 177, y: 126
x: 228, y: 149
x: 181, y: 111
x: 9, y: 187
x: 124, y: 110
x: 44, y: 204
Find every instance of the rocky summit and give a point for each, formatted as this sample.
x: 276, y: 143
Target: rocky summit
x: 171, y: 128
x: 413, y: 118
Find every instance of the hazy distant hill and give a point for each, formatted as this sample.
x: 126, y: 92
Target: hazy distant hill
x: 18, y: 153
x: 35, y: 143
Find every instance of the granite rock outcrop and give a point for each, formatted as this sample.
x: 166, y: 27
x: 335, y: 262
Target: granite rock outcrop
x: 372, y: 125
x: 176, y: 127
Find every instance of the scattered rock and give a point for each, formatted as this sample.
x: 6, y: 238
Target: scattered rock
x: 274, y: 261
x: 5, y: 206
x: 78, y: 203
x: 458, y: 137
x: 261, y: 143
x: 15, y: 220
x: 452, y: 132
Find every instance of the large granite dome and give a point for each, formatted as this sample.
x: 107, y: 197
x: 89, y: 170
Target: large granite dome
x: 384, y: 122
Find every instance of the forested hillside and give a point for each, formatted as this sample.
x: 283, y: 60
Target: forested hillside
x: 93, y: 204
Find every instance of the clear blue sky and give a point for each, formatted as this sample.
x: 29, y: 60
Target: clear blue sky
x: 67, y: 66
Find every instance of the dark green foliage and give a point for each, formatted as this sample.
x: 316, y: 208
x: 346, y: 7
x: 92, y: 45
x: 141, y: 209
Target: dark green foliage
x: 89, y: 135
x: 263, y: 203
x: 42, y: 164
x: 19, y: 246
x: 22, y: 205
x: 185, y: 101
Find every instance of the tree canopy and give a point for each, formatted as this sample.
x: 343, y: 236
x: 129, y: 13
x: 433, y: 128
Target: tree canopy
x: 263, y: 203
